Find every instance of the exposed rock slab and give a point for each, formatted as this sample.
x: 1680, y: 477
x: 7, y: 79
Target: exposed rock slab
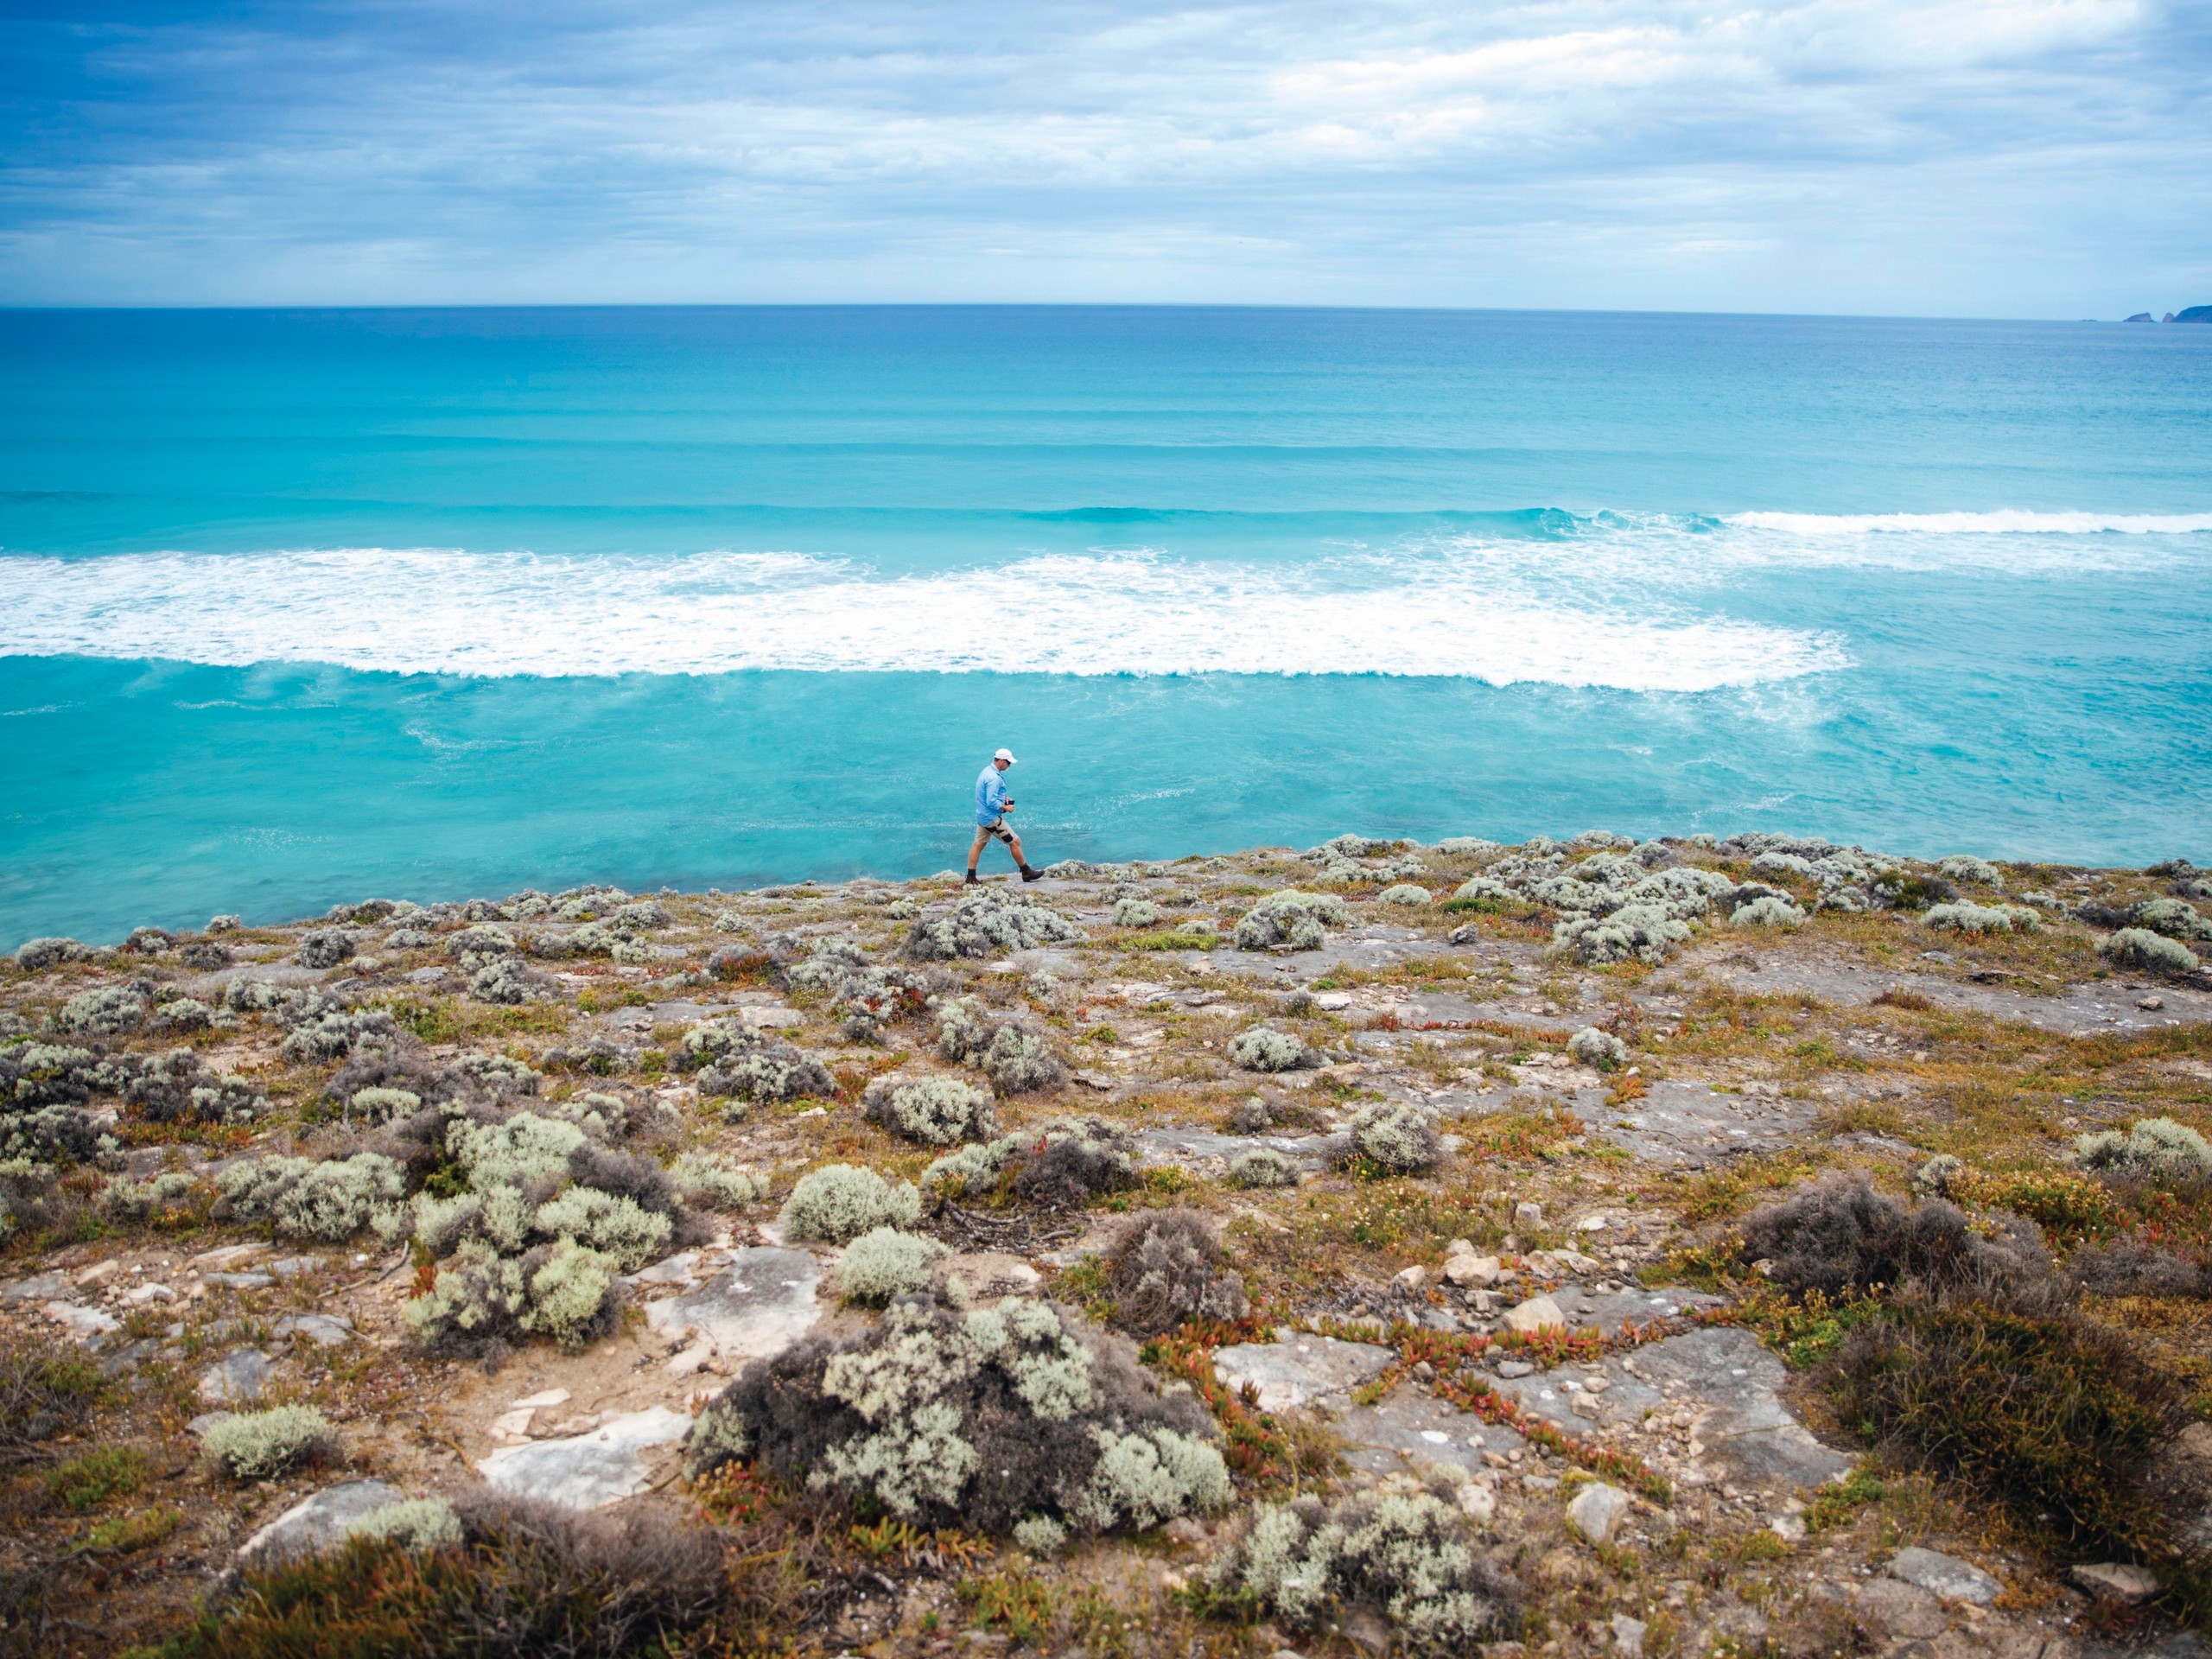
x: 1301, y: 1369
x: 587, y: 1472
x: 756, y: 1307
x: 2077, y: 1010
x: 1743, y: 1431
x: 235, y: 1378
x: 1172, y: 1144
x: 1945, y: 1575
x: 1688, y: 1126
x: 1410, y: 1426
x: 317, y: 1523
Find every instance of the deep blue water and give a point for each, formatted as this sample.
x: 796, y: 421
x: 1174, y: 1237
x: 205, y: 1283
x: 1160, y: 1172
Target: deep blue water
x: 299, y: 606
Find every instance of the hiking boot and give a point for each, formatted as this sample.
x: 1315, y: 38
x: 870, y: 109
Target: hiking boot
x: 1030, y: 873
x: 971, y: 881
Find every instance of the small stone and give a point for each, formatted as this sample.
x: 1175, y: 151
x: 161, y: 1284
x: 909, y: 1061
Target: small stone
x: 1515, y: 1368
x: 228, y: 1257
x: 1628, y: 1636
x: 1584, y: 1405
x: 2152, y: 1003
x: 2116, y: 1582
x: 1591, y: 1224
x: 1479, y: 1504
x: 1412, y: 1278
x: 1471, y: 1269
x: 99, y: 1271
x: 1529, y: 1214
x: 1537, y: 1313
x: 1945, y: 1575
x: 1597, y: 1511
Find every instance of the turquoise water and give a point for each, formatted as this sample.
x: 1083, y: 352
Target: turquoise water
x: 301, y: 606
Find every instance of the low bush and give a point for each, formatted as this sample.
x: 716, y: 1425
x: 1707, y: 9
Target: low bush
x: 987, y: 920
x: 2172, y: 918
x: 1262, y: 1166
x: 703, y: 1179
x: 87, y: 1482
x: 1065, y: 1163
x: 2148, y: 952
x: 1405, y: 894
x: 884, y: 1263
x: 511, y: 1580
x: 1979, y: 871
x: 1843, y: 1239
x: 1401, y: 1552
x: 1263, y: 1048
x: 1632, y: 933
x: 1767, y: 912
x: 2058, y: 1418
x: 1014, y: 1056
x: 325, y: 947
x: 1164, y: 1268
x: 1290, y: 920
x: 1137, y: 913
x: 257, y: 1444
x: 302, y: 1198
x: 936, y: 1111
x: 1598, y: 1048
x: 980, y: 1419
x: 2155, y: 1149
x: 1395, y: 1138
x: 839, y: 1202
x: 1964, y: 917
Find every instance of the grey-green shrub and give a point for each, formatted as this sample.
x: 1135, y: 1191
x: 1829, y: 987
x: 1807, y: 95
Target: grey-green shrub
x: 1397, y: 1137
x: 1979, y: 871
x: 1637, y: 932
x: 1014, y: 1057
x: 1290, y: 920
x: 1767, y: 912
x: 1964, y: 916
x: 256, y: 1445
x: 703, y: 1179
x: 936, y: 1111
x: 1263, y: 1048
x: 2154, y: 1148
x: 1068, y: 1161
x: 2172, y: 918
x: 508, y: 983
x: 1405, y: 894
x: 2139, y: 948
x: 37, y: 954
x: 884, y: 1263
x: 380, y: 1105
x: 1598, y: 1048
x: 1262, y: 1166
x: 562, y: 1290
x: 986, y: 920
x: 325, y: 947
x: 1137, y: 913
x: 302, y: 1198
x: 1400, y: 1551
x: 982, y: 1419
x: 107, y: 1010
x: 417, y: 1523
x: 840, y: 1202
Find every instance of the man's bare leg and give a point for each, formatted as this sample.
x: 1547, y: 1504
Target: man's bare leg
x: 983, y: 840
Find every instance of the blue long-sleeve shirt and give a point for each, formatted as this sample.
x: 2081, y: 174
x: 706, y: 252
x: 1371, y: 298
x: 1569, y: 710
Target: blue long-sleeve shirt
x: 990, y: 795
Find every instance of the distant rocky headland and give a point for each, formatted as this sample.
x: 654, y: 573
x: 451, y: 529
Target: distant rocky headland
x: 2194, y: 313
x: 1590, y: 1248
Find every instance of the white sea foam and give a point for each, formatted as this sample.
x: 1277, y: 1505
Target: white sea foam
x: 431, y: 611
x: 2002, y: 523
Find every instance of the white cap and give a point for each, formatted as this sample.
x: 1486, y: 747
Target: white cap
x: 1005, y: 755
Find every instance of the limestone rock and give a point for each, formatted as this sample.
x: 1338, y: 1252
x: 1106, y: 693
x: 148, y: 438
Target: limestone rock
x: 1598, y: 1508
x: 1628, y: 1636
x: 756, y: 1307
x: 1301, y: 1369
x: 235, y: 1378
x: 587, y: 1472
x: 2116, y: 1582
x: 1945, y: 1575
x: 317, y: 1522
x: 1537, y: 1313
x: 1899, y: 1608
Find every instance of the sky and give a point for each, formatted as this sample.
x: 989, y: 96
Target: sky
x: 1947, y: 157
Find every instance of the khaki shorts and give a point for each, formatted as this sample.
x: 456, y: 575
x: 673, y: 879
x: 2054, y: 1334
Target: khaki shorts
x: 998, y: 829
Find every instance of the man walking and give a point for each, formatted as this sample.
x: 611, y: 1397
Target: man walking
x: 991, y: 805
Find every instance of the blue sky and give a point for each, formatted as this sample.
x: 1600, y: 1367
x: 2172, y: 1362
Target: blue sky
x: 2050, y: 158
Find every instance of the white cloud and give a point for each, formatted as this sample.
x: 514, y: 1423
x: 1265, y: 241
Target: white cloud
x: 1842, y: 154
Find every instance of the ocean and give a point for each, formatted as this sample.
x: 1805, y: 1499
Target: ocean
x: 302, y: 606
